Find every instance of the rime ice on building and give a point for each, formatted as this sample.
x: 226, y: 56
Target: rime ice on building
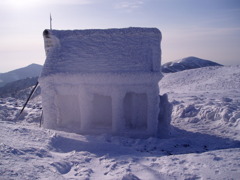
x: 102, y: 81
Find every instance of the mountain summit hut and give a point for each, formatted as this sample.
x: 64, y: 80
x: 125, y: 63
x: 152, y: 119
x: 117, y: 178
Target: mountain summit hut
x: 102, y: 81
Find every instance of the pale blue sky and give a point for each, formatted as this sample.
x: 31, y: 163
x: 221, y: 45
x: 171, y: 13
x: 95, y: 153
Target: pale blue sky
x: 209, y: 29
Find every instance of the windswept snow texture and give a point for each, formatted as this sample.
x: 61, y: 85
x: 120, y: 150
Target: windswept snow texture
x: 187, y: 63
x: 111, y: 50
x: 212, y: 79
x: 204, y: 144
x: 206, y: 100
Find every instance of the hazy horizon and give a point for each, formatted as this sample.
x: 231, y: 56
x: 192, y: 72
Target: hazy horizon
x: 205, y: 29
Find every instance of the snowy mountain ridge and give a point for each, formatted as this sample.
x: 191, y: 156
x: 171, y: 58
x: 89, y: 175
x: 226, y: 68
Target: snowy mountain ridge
x: 32, y: 70
x: 187, y: 63
x: 213, y: 78
x: 19, y: 89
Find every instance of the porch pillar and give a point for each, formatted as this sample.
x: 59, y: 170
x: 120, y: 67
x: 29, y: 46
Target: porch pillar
x: 153, y: 110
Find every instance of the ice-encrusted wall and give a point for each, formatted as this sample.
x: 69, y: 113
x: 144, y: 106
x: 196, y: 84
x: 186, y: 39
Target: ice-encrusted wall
x: 102, y: 81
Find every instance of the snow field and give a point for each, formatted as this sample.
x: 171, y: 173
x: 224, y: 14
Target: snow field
x: 35, y: 153
x: 206, y: 97
x: 204, y: 141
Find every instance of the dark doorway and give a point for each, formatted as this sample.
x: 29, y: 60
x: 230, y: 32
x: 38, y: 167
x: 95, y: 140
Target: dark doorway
x: 101, y: 116
x: 135, y: 110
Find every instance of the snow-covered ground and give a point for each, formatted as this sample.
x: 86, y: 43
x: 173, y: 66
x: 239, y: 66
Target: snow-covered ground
x: 204, y: 142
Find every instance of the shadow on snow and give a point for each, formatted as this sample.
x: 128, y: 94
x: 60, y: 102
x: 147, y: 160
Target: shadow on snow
x: 183, y: 142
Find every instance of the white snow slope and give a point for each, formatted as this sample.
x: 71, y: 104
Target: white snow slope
x: 204, y: 144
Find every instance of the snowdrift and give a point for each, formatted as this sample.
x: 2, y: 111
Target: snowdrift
x: 209, y: 95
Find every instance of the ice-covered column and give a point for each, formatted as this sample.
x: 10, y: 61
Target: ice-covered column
x: 48, y: 94
x: 117, y: 111
x: 153, y: 110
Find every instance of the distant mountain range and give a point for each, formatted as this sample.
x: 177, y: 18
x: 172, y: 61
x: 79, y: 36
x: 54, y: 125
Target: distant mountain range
x: 19, y: 89
x: 187, y: 63
x: 32, y: 70
x: 19, y: 81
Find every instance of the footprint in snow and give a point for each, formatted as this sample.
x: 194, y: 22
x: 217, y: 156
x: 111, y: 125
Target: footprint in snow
x: 62, y: 167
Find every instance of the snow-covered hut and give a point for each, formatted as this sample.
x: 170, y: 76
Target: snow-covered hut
x: 102, y: 81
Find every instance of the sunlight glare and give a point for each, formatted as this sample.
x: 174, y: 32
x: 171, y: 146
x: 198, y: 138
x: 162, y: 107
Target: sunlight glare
x: 23, y: 3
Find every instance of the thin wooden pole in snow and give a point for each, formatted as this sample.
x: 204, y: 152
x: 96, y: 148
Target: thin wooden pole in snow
x: 28, y: 99
x: 41, y: 119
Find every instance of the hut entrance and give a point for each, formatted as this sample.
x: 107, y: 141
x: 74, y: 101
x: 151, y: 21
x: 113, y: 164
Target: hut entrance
x: 101, y: 116
x: 135, y: 110
x: 68, y: 111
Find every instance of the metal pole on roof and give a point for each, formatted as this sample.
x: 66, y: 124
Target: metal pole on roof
x: 50, y: 21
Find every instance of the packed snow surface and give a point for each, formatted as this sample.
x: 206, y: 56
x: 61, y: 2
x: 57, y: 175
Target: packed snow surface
x: 204, y: 144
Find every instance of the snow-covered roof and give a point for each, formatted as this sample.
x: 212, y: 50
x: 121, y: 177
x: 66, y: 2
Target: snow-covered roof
x: 102, y: 50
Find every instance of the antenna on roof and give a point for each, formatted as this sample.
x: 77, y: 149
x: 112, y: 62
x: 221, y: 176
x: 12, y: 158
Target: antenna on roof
x: 50, y: 21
